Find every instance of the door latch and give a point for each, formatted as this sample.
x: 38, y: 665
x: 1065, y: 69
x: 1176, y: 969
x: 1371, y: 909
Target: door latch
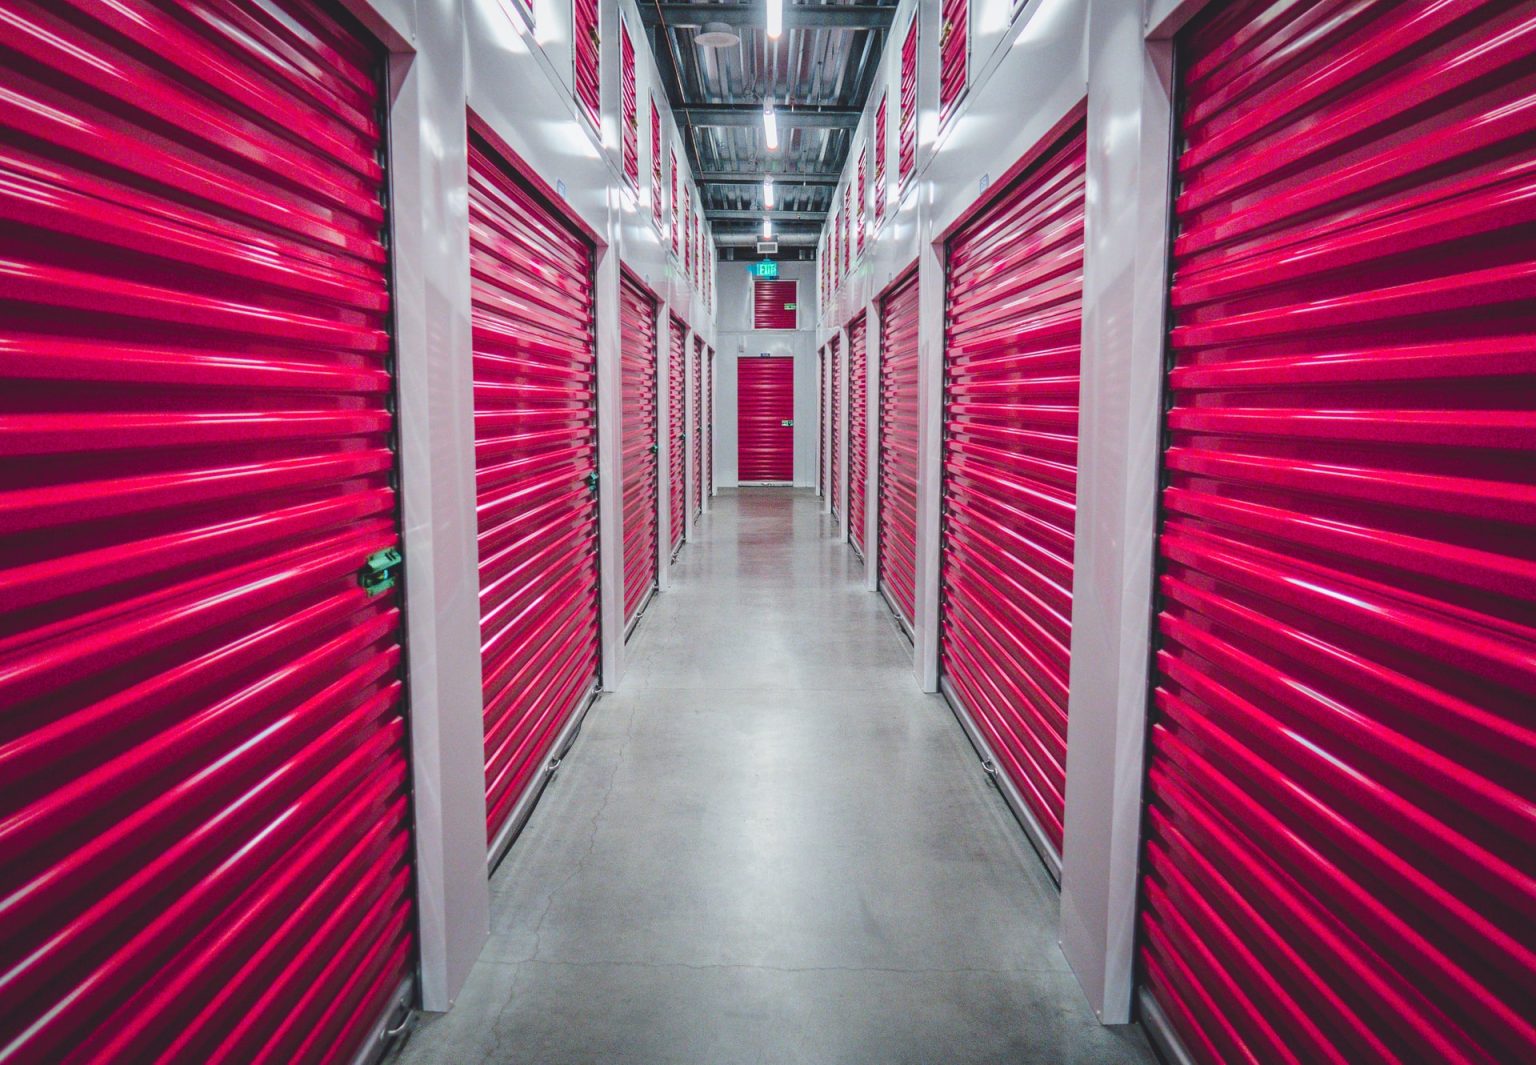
x: 380, y: 571
x: 655, y: 449
x: 787, y: 422
x: 592, y: 482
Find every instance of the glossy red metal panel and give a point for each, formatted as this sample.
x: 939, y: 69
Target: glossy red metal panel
x: 1340, y: 816
x: 954, y: 55
x: 1012, y: 346
x: 765, y: 412
x: 709, y: 424
x: 906, y: 121
x: 656, y: 153
x: 629, y: 109
x: 637, y: 353
x: 858, y: 428
x: 535, y: 473
x: 897, y: 517
x: 202, y: 743
x: 688, y: 231
x: 774, y: 304
x: 863, y: 194
x: 822, y: 425
x: 848, y: 224
x: 586, y: 45
x: 834, y: 352
x: 881, y: 132
x: 698, y: 426
x: 677, y: 435
x: 677, y: 224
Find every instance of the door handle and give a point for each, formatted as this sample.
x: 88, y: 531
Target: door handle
x: 787, y: 422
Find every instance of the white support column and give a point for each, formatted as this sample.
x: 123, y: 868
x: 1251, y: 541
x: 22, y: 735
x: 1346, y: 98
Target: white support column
x: 872, y: 327
x: 429, y: 216
x: 610, y: 474
x: 930, y: 436
x: 1129, y: 138
x: 663, y: 447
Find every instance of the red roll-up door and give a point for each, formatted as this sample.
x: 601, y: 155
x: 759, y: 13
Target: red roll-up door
x: 774, y: 304
x: 587, y: 59
x: 637, y: 350
x: 881, y: 135
x: 709, y: 424
x: 629, y: 109
x: 1012, y: 340
x: 858, y: 421
x: 698, y: 426
x: 535, y: 474
x: 765, y: 418
x: 954, y: 55
x: 834, y: 347
x: 677, y: 434
x: 897, y: 516
x: 1340, y: 822
x: 205, y: 831
x: 906, y: 113
x: 821, y: 426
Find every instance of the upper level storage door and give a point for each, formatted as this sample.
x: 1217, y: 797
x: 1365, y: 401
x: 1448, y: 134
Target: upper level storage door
x: 535, y: 476
x: 858, y: 427
x: 205, y: 823
x: 765, y: 416
x: 1339, y: 825
x: 677, y: 427
x: 1012, y: 339
x: 637, y: 353
x: 897, y: 516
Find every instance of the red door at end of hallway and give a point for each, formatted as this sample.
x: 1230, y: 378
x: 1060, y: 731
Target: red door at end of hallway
x: 897, y: 516
x: 637, y: 349
x: 677, y: 429
x: 1012, y: 340
x: 206, y: 833
x: 1339, y: 826
x: 858, y: 428
x: 535, y: 476
x: 765, y: 419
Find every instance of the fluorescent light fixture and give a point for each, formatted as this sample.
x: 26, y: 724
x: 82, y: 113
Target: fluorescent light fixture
x: 768, y: 192
x: 767, y: 227
x: 775, y: 18
x: 771, y: 125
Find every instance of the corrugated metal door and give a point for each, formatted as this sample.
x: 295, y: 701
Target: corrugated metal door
x: 535, y: 477
x: 821, y: 426
x: 954, y: 55
x: 906, y: 114
x: 774, y: 304
x: 709, y: 424
x: 1012, y: 339
x: 587, y: 59
x: 205, y: 829
x: 765, y: 419
x: 637, y: 351
x: 858, y: 421
x: 1340, y: 823
x: 677, y: 433
x: 834, y: 348
x: 629, y: 109
x: 897, y: 516
x: 698, y: 426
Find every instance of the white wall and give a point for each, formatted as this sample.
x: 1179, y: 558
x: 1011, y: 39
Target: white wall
x: 737, y: 338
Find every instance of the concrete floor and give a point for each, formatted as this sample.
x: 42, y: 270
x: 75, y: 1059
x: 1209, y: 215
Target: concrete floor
x: 769, y: 847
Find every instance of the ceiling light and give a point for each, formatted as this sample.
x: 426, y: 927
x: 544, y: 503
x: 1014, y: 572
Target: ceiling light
x: 775, y: 18
x: 717, y: 35
x: 768, y: 192
x: 771, y: 125
x: 767, y: 227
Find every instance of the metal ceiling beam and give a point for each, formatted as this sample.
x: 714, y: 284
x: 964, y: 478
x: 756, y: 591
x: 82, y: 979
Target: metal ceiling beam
x: 723, y: 215
x: 752, y: 177
x: 791, y: 115
x: 796, y: 16
x: 747, y: 240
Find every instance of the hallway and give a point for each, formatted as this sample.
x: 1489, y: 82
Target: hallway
x: 768, y: 846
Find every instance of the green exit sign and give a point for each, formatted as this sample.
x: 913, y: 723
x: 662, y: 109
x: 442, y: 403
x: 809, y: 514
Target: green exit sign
x: 767, y: 268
